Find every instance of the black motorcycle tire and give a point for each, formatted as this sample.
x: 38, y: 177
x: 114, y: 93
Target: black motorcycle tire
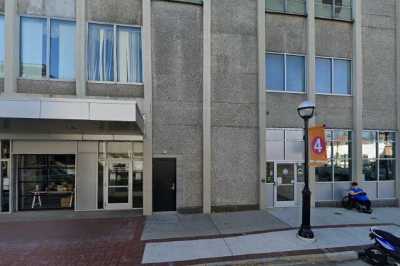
x: 346, y: 203
x: 376, y: 256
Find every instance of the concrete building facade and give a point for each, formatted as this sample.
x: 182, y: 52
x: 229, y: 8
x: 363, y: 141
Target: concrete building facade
x: 191, y: 105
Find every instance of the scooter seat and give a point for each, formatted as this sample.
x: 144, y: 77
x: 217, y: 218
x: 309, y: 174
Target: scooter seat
x: 392, y: 239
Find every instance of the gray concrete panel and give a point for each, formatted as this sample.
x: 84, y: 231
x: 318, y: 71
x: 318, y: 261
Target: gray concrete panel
x: 285, y: 33
x: 234, y: 166
x: 379, y: 95
x: 115, y: 11
x: 282, y: 110
x: 327, y: 36
x: 114, y: 90
x: 177, y: 94
x: 234, y: 109
x: 234, y: 114
x: 49, y: 87
x: 334, y: 111
x: 50, y: 8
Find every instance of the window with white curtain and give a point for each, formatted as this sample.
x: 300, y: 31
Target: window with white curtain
x: 38, y: 59
x: 115, y: 53
x: 2, y: 43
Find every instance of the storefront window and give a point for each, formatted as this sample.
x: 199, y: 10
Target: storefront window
x: 370, y: 170
x: 339, y: 157
x: 379, y: 156
x: 45, y: 181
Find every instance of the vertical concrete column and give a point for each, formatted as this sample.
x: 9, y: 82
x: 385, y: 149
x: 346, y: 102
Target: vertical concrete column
x: 311, y: 77
x: 357, y: 91
x: 207, y: 106
x: 11, y: 47
x: 148, y: 116
x: 397, y: 3
x: 80, y: 59
x: 261, y: 100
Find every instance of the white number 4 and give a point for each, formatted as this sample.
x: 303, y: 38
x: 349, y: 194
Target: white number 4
x: 318, y: 145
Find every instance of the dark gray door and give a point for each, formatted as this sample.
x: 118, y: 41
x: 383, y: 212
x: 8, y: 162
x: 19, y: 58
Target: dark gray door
x: 164, y: 184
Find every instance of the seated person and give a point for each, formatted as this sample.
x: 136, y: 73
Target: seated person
x: 357, y: 195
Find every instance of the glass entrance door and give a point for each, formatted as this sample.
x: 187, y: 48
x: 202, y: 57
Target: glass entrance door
x: 118, y: 184
x: 285, y: 184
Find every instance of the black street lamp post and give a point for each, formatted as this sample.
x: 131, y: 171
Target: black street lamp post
x: 306, y: 111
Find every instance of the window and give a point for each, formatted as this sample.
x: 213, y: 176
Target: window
x: 286, y: 6
x: 45, y: 181
x: 378, y: 153
x: 334, y: 9
x: 2, y: 43
x: 333, y: 76
x: 339, y: 166
x: 35, y: 59
x: 62, y: 49
x: 115, y: 53
x: 285, y: 72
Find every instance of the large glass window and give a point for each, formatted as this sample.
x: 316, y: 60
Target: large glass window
x: 334, y: 9
x: 33, y: 47
x: 115, y: 53
x: 378, y: 153
x: 286, y: 6
x: 45, y: 181
x: 35, y: 58
x: 338, y: 167
x: 333, y: 76
x: 285, y: 72
x: 2, y: 45
x: 62, y: 49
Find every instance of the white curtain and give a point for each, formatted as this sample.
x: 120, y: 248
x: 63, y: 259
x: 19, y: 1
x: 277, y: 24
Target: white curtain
x: 129, y: 54
x: 101, y: 53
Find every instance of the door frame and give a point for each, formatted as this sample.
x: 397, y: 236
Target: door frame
x: 117, y: 206
x: 285, y: 203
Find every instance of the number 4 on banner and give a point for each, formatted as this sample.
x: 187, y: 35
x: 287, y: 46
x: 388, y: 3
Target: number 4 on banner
x: 318, y: 146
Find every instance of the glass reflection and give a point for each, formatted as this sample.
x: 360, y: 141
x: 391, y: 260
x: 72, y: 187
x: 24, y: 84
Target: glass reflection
x: 386, y: 170
x: 369, y: 144
x: 370, y: 170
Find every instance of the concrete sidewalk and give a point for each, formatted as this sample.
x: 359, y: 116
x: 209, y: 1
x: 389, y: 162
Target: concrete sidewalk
x: 222, y: 236
x: 176, y: 226
x: 252, y: 244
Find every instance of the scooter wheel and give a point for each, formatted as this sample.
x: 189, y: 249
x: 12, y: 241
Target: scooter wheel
x: 375, y: 256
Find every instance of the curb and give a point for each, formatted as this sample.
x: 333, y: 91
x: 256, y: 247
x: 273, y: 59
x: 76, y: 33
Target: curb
x: 333, y: 257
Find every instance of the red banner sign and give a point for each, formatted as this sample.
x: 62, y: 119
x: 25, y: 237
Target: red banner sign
x: 317, y: 143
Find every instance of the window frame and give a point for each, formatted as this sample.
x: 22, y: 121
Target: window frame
x: 332, y: 12
x: 285, y: 73
x: 332, y: 63
x: 48, y: 52
x: 378, y: 158
x: 115, y: 52
x: 285, y: 11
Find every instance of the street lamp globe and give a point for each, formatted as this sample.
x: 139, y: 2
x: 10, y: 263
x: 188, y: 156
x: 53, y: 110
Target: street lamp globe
x: 306, y: 109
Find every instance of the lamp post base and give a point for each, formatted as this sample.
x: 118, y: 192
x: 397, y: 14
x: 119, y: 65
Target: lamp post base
x: 306, y: 234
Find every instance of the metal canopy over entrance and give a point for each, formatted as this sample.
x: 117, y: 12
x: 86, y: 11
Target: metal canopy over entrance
x: 94, y: 110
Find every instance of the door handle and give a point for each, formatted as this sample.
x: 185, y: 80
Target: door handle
x: 173, y: 187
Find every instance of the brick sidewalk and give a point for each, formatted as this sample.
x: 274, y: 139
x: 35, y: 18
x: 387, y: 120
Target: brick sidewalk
x: 72, y: 242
